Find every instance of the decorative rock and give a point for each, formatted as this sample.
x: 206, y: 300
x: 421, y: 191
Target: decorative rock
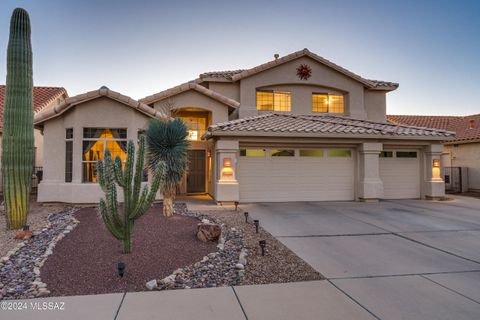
x: 239, y: 266
x: 169, y: 279
x: 152, y: 284
x: 43, y: 292
x: 208, y: 232
x: 220, y: 246
x: 243, y: 257
x: 212, y: 255
x: 23, y: 234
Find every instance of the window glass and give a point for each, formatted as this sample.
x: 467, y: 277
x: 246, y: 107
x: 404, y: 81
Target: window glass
x: 197, y: 125
x: 96, y: 142
x: 311, y: 153
x: 406, y: 154
x: 274, y: 101
x: 341, y: 153
x: 252, y: 153
x: 69, y: 133
x: 68, y: 154
x: 282, y: 152
x: 327, y: 103
x: 386, y: 154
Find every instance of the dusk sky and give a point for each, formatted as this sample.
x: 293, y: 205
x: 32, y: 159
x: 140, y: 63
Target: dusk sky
x: 140, y: 47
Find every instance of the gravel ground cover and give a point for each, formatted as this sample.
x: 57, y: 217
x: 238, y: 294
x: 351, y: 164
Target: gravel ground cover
x: 85, y: 262
x: 278, y: 265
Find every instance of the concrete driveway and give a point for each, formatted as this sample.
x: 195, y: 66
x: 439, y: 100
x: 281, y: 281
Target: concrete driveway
x: 403, y: 259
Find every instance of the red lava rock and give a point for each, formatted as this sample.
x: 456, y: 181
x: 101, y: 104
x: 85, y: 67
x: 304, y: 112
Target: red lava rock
x: 23, y: 234
x: 208, y: 232
x: 85, y: 261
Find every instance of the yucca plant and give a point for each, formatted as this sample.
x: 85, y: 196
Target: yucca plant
x: 136, y: 201
x: 18, y: 140
x: 167, y: 142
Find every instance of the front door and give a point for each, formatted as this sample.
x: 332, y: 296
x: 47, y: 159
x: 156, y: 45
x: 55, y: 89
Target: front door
x: 196, y: 171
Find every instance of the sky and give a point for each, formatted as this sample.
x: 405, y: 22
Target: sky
x: 141, y: 47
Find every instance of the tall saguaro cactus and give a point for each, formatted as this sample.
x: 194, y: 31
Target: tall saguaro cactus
x: 18, y: 140
x: 136, y: 201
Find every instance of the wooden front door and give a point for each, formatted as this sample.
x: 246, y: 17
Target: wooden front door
x: 196, y: 171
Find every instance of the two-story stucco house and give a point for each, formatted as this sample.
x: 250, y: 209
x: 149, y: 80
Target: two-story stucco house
x: 297, y: 128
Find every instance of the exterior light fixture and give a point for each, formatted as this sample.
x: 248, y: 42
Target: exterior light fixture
x: 256, y: 223
x: 262, y: 244
x: 227, y: 162
x: 436, y: 163
x: 246, y: 216
x: 121, y: 268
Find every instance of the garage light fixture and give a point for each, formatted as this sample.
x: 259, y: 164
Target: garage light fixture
x: 436, y: 163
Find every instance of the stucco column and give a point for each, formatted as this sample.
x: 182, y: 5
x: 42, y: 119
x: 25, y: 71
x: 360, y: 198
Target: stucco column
x: 434, y: 186
x: 370, y: 184
x: 226, y: 184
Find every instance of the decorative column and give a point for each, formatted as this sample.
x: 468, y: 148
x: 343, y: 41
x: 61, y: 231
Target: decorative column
x: 226, y: 184
x: 434, y: 186
x: 370, y: 184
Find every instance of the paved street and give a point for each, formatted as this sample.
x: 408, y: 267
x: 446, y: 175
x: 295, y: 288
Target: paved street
x: 403, y: 259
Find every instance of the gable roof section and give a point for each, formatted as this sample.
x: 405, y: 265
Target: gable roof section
x: 69, y: 103
x: 42, y: 98
x: 467, y: 128
x: 191, y: 86
x: 240, y: 74
x: 288, y: 125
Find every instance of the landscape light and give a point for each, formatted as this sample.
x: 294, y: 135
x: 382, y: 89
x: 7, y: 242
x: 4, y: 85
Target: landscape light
x: 236, y: 205
x: 246, y: 216
x: 121, y: 268
x: 263, y: 244
x: 256, y: 222
x: 26, y: 227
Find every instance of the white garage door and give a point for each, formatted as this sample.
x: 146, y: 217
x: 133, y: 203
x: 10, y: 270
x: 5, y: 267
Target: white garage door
x: 400, y: 174
x: 276, y: 175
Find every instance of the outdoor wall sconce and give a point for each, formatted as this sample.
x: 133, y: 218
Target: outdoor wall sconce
x: 121, y: 268
x: 436, y: 163
x: 256, y: 223
x: 262, y: 244
x: 227, y: 162
x: 246, y: 216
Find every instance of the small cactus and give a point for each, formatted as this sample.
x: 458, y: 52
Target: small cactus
x: 18, y: 140
x: 136, y: 201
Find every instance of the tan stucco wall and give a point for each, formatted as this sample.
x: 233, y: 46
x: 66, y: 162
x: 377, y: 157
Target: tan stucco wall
x: 100, y: 113
x: 285, y: 74
x: 194, y: 99
x: 230, y: 90
x: 375, y: 105
x: 465, y: 155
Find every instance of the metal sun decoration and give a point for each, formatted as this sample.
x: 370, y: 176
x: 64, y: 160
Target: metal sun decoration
x: 304, y: 72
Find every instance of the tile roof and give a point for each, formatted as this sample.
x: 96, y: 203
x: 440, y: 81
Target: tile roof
x: 56, y: 111
x: 226, y: 74
x: 42, y: 97
x: 192, y: 85
x: 274, y: 124
x: 467, y: 128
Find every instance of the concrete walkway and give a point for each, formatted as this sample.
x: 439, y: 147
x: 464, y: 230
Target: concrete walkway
x: 299, y: 301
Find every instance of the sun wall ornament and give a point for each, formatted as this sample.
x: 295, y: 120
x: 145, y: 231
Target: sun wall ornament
x: 304, y: 72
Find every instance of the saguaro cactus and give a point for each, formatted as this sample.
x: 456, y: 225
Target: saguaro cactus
x: 18, y: 140
x: 136, y: 201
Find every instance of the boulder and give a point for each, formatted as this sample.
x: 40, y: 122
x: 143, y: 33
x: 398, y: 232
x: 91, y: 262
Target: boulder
x: 208, y: 232
x: 152, y: 284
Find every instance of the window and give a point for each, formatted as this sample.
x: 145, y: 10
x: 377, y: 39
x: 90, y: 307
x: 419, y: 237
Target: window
x: 68, y: 154
x: 406, y: 154
x: 254, y: 153
x: 311, y: 153
x: 339, y: 153
x: 327, y: 103
x: 95, y: 142
x: 386, y: 154
x: 274, y: 101
x: 196, y: 123
x: 282, y: 152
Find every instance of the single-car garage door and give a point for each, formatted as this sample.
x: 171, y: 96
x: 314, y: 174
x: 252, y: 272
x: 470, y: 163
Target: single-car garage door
x: 400, y: 174
x: 288, y: 174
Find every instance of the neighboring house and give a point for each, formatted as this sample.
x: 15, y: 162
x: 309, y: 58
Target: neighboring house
x: 463, y: 151
x: 298, y: 128
x: 43, y: 98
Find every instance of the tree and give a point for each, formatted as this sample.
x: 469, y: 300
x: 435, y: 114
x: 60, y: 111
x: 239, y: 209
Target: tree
x: 167, y: 142
x: 18, y: 140
x: 136, y: 201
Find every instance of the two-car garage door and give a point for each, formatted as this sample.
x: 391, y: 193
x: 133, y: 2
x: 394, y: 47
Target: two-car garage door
x: 272, y: 175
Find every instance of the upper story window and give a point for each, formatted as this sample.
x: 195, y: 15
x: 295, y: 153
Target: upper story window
x: 274, y: 101
x: 197, y: 123
x: 328, y: 103
x: 95, y: 142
